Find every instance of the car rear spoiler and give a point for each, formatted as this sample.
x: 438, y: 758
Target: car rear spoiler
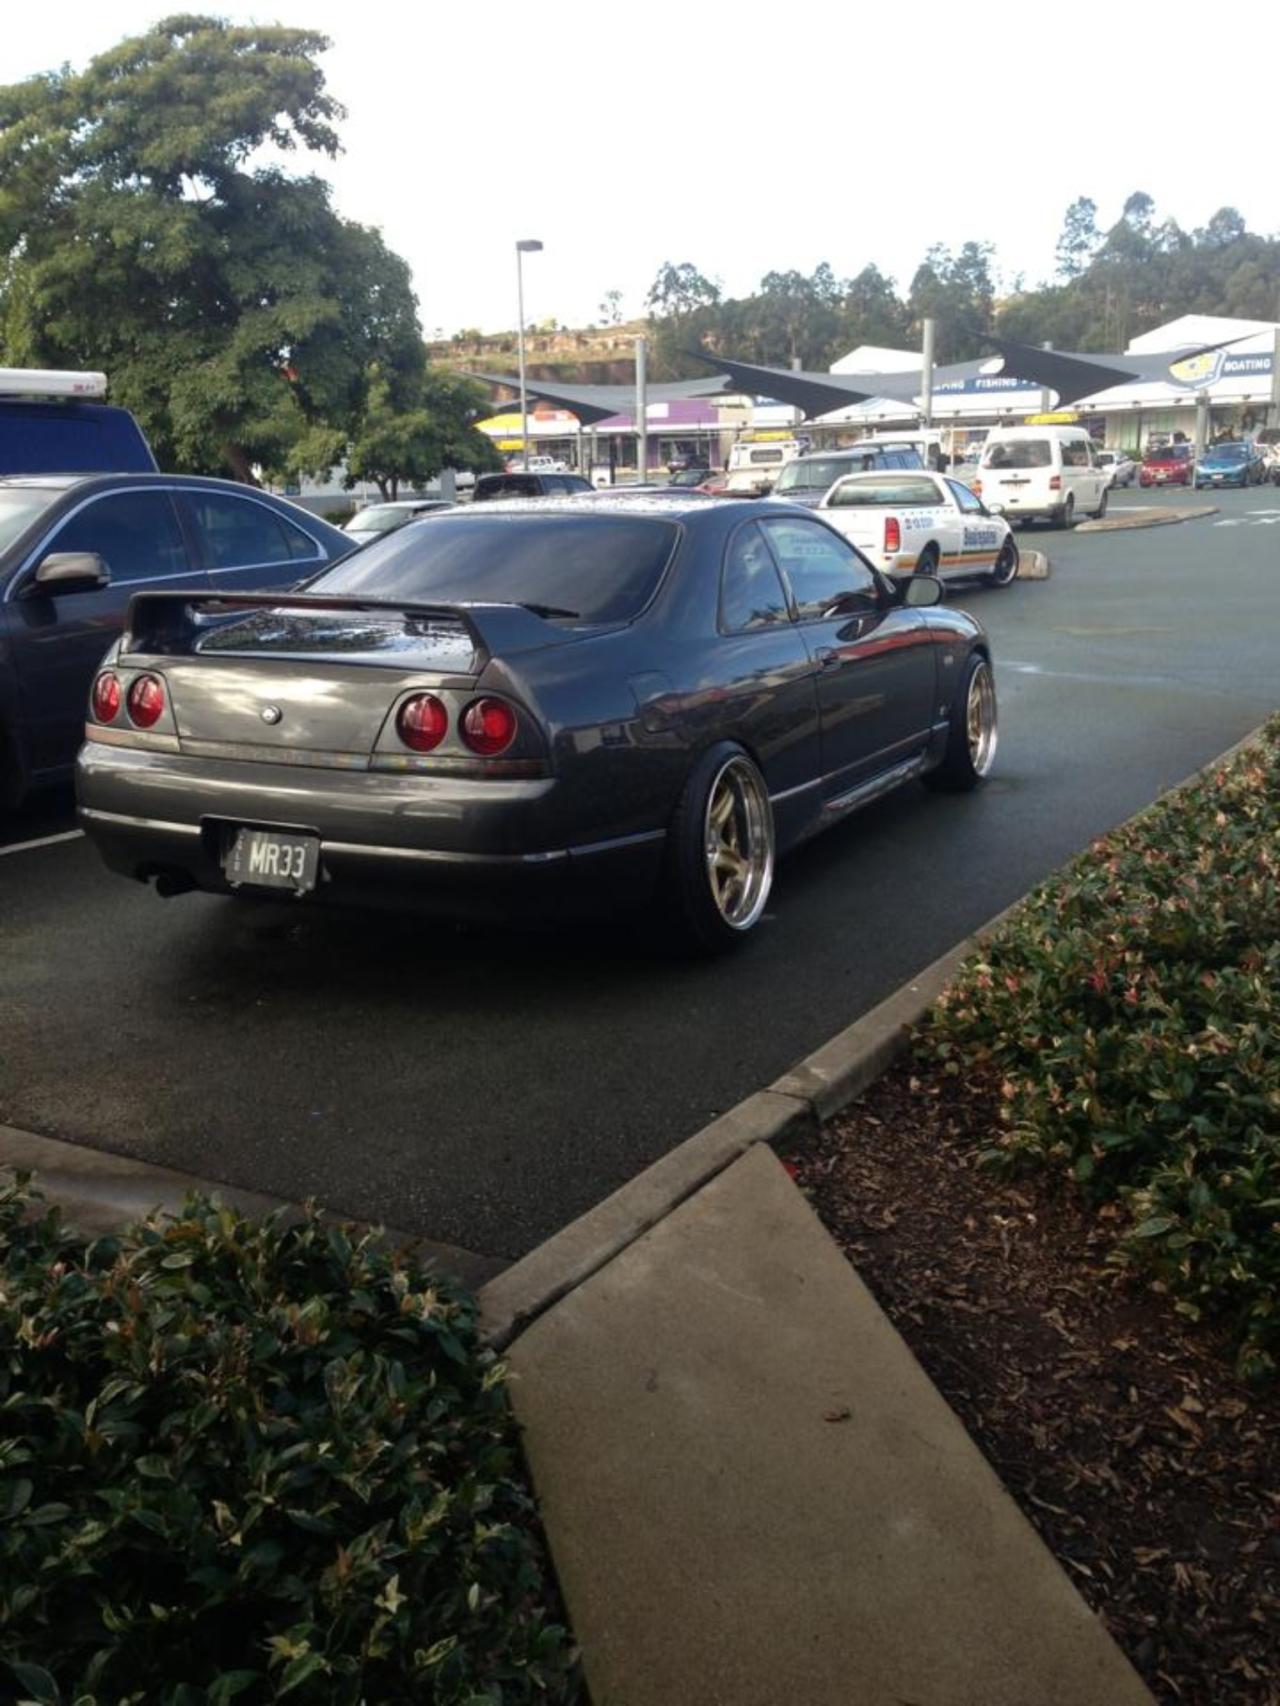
x: 168, y: 624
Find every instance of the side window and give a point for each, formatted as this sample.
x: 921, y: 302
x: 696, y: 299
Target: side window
x: 135, y: 533
x: 819, y: 564
x: 1075, y: 453
x: 238, y: 533
x: 302, y: 548
x: 751, y: 594
x: 965, y: 498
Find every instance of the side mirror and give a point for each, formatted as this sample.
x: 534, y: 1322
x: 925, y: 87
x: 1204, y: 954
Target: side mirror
x: 994, y: 509
x: 921, y: 590
x: 850, y: 604
x: 72, y: 571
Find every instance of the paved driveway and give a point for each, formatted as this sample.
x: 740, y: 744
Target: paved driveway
x: 482, y: 1088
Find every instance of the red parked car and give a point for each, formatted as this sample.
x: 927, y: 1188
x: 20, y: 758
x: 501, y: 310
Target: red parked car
x: 1171, y: 465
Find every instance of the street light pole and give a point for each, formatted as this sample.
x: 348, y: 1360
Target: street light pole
x: 525, y: 246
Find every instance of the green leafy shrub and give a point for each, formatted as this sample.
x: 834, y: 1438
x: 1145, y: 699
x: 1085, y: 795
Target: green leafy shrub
x: 1129, y: 1016
x: 249, y: 1460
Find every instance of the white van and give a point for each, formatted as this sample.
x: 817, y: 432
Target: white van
x: 764, y: 460
x: 1042, y: 472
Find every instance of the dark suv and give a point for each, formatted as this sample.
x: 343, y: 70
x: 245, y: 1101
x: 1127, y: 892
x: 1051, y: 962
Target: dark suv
x: 523, y: 485
x: 805, y: 480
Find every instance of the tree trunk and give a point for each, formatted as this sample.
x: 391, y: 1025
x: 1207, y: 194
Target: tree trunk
x: 382, y: 488
x: 239, y: 464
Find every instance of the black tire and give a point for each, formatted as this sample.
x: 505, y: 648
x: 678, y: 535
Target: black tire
x: 1102, y: 505
x: 1066, y: 516
x: 963, y: 768
x: 698, y: 918
x: 927, y: 562
x: 1006, y: 564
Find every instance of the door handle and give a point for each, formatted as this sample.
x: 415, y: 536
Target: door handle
x: 828, y: 657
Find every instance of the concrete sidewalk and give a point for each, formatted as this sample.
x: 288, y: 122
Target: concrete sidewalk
x: 754, y: 1495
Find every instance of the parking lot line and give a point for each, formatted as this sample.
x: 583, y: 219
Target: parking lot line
x: 43, y: 841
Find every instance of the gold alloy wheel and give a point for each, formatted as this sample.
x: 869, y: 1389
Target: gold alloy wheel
x: 738, y: 843
x: 980, y: 719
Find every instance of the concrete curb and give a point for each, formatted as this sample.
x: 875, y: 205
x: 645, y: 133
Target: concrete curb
x: 816, y: 1088
x: 99, y: 1193
x: 1032, y: 566
x: 1146, y: 518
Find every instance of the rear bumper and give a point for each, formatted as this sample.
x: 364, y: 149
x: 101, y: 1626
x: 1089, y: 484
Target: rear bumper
x: 443, y: 845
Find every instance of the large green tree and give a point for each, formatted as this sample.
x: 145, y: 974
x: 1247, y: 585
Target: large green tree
x: 408, y: 431
x: 148, y: 227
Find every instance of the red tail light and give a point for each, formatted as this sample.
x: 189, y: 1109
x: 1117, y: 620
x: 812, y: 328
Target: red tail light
x: 107, y: 696
x: 146, y: 701
x: 422, y: 722
x: 488, y: 726
x: 892, y: 533
x: 1055, y: 482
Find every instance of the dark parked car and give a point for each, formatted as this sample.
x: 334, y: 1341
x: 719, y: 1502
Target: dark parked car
x: 690, y: 476
x: 1231, y: 465
x: 72, y: 552
x: 533, y: 705
x: 528, y: 485
x: 807, y: 479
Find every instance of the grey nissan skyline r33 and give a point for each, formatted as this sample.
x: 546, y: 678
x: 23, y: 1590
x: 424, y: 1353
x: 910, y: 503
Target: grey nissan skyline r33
x: 530, y: 708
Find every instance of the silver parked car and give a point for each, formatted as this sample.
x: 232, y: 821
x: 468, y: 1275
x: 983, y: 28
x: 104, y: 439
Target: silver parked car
x: 1120, y: 466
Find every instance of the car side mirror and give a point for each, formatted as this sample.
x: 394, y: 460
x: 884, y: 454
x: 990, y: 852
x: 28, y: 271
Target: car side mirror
x: 852, y: 603
x: 921, y: 590
x: 72, y: 571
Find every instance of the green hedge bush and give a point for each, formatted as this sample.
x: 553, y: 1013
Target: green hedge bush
x: 248, y: 1461
x: 1130, y: 1016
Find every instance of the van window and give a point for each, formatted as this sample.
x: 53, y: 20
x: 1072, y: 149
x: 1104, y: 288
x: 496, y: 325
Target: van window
x: 1018, y: 453
x: 1075, y: 453
x: 901, y: 491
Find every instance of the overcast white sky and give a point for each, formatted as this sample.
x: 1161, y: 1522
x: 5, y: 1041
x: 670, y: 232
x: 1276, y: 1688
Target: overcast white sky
x: 748, y: 137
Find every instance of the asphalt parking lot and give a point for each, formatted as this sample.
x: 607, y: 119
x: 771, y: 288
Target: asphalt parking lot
x: 483, y: 1087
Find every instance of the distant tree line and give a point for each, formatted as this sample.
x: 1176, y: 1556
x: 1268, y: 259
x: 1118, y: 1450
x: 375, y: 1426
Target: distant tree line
x: 1109, y: 287
x: 246, y: 324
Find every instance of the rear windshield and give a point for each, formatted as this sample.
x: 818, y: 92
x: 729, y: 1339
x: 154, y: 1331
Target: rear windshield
x: 814, y: 474
x: 597, y: 568
x: 1018, y: 453
x: 508, y: 486
x: 378, y: 520
x: 44, y: 438
x: 899, y: 491
x: 19, y: 506
x: 1169, y: 453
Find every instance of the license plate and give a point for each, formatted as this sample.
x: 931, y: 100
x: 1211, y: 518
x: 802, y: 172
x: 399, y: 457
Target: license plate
x: 272, y: 859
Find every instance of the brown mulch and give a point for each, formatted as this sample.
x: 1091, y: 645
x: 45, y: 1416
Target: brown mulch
x: 1152, y: 1472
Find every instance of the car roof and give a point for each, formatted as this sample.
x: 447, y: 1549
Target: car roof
x: 676, y: 507
x: 879, y: 473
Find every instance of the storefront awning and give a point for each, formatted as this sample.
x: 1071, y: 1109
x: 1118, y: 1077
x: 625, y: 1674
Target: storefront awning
x: 595, y: 403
